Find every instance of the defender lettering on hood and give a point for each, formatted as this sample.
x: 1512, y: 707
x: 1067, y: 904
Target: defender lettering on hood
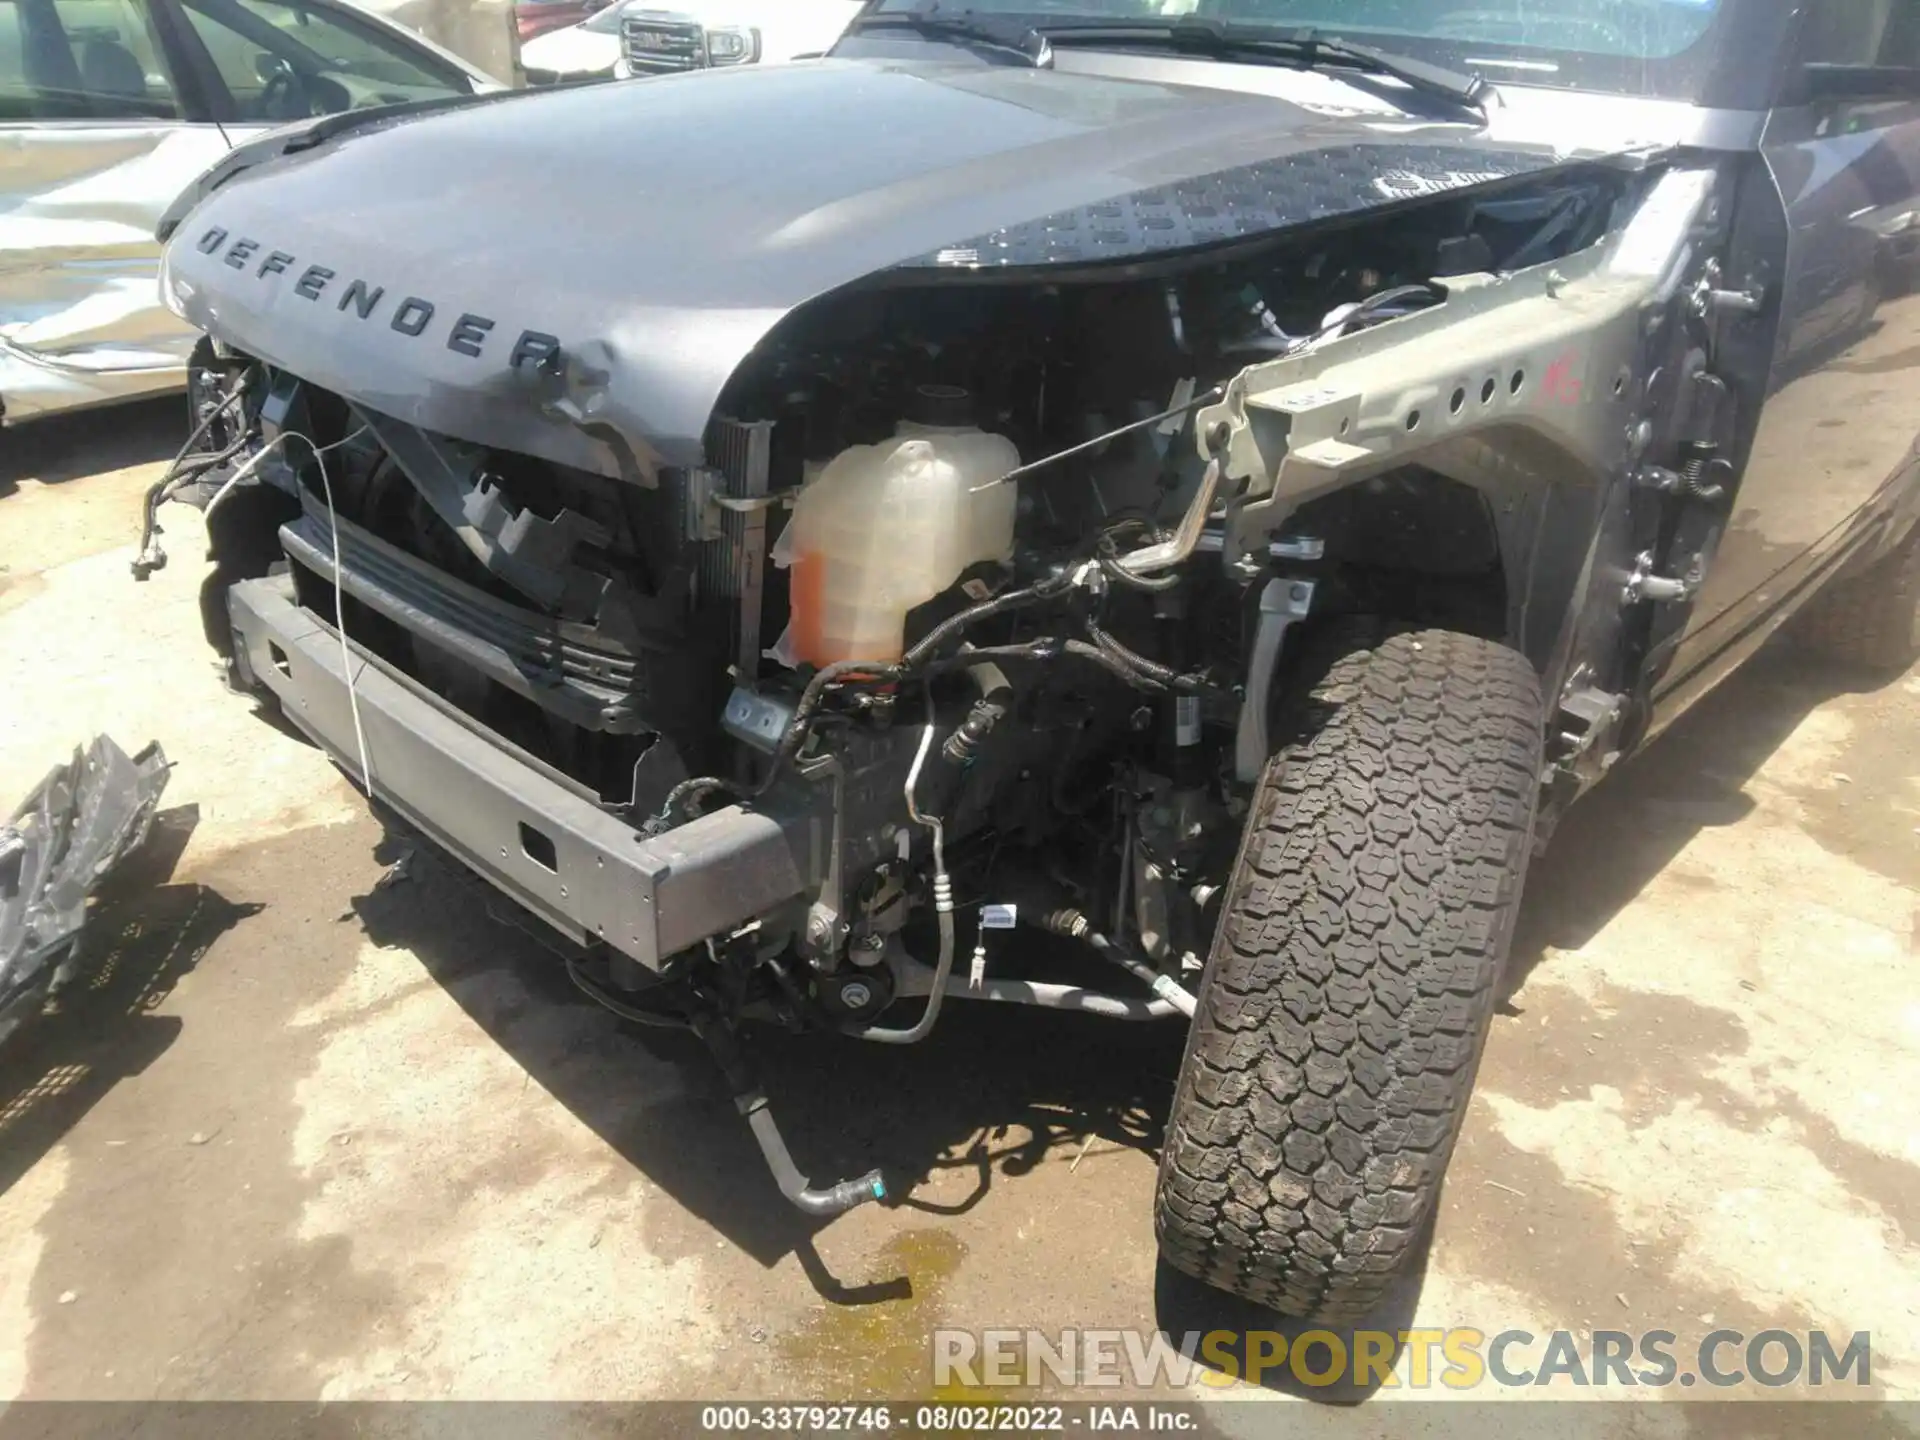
x: 622, y: 219
x: 468, y: 334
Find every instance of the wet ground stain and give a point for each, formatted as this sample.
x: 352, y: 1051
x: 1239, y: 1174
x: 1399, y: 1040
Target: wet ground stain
x: 881, y: 1350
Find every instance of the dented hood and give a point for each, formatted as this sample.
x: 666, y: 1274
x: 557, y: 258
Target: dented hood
x: 576, y: 274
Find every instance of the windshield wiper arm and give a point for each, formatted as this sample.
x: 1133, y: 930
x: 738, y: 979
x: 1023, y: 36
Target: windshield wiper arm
x: 930, y: 18
x: 1308, y: 48
x: 1462, y: 86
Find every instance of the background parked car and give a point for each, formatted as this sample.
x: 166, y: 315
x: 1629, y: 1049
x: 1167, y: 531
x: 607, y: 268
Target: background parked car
x: 587, y: 51
x: 108, y: 109
x: 481, y: 32
x: 696, y: 34
x: 532, y: 18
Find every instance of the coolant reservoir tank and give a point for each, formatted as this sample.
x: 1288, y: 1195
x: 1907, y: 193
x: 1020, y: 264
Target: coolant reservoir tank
x: 887, y: 527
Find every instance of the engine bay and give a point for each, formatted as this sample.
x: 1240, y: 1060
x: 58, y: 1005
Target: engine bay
x: 1059, y: 721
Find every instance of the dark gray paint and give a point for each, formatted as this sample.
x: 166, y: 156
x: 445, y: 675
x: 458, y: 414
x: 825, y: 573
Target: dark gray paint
x: 1825, y: 226
x: 661, y: 230
x: 1232, y: 204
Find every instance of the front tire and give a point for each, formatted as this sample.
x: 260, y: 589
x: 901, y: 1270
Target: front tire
x: 1353, y: 976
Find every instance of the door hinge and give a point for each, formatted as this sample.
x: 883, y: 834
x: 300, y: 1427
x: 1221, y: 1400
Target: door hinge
x: 1643, y: 584
x: 1710, y: 298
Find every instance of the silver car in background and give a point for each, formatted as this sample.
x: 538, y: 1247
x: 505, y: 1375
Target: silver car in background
x: 108, y: 109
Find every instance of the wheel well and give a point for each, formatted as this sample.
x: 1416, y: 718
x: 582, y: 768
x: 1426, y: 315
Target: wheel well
x: 1415, y: 545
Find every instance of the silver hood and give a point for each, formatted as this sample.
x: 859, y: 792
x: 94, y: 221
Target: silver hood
x: 576, y: 274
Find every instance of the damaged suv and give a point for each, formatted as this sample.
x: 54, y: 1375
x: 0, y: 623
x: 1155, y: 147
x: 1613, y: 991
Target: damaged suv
x: 1201, y: 486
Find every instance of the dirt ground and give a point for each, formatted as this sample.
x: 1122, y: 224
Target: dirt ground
x: 308, y: 1136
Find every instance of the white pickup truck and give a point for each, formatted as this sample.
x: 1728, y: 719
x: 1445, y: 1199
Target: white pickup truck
x: 696, y: 34
x: 640, y: 38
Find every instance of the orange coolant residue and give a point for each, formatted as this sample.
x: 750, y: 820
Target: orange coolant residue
x: 806, y: 618
x: 806, y: 600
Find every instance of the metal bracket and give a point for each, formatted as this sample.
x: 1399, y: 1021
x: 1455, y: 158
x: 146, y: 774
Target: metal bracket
x: 1586, y: 715
x: 1643, y: 584
x: 1282, y: 604
x: 1708, y: 298
x: 1547, y: 354
x: 755, y: 719
x: 1286, y: 547
x: 702, y: 518
x: 709, y: 504
x: 754, y: 504
x: 734, y: 512
x: 529, y: 552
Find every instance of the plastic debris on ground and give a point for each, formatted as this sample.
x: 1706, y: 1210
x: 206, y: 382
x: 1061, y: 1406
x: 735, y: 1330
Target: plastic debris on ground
x: 85, y: 818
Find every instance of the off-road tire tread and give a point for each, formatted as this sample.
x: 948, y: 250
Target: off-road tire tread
x: 1871, y: 619
x: 1353, y: 975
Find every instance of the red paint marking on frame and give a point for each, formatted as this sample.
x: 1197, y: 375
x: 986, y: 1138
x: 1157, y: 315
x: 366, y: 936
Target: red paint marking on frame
x: 1562, y: 383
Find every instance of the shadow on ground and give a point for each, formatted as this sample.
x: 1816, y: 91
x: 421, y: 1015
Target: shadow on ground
x: 996, y: 1090
x: 93, y: 442
x: 141, y: 937
x: 990, y: 1094
x: 1629, y: 829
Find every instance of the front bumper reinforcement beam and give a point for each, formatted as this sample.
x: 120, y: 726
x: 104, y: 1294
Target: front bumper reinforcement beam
x: 521, y: 826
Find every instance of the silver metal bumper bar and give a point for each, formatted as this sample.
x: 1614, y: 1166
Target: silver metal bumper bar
x: 530, y: 832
